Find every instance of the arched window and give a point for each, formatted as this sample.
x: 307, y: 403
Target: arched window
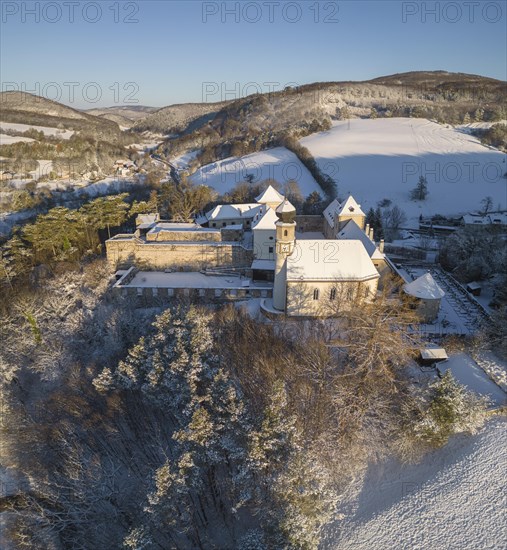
x: 332, y: 294
x: 285, y: 233
x: 316, y: 294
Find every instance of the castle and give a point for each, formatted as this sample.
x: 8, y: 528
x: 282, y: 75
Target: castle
x: 301, y: 265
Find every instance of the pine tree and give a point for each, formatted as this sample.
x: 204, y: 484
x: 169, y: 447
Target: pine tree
x: 452, y: 409
x: 420, y: 191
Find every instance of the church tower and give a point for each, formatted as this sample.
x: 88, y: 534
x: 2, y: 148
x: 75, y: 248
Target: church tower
x: 285, y: 242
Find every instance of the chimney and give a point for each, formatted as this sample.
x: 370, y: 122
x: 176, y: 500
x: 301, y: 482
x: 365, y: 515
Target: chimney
x: 367, y: 230
x: 372, y: 236
x: 381, y: 246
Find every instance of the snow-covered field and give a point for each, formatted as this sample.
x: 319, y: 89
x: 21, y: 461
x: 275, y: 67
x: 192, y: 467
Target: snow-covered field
x: 8, y: 140
x: 46, y: 130
x: 453, y: 500
x: 182, y: 161
x: 279, y: 164
x: 383, y: 158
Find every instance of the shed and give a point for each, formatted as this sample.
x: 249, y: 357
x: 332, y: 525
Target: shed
x: 474, y: 288
x: 433, y: 355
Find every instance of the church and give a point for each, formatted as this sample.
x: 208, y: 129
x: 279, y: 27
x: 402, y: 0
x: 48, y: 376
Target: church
x: 306, y: 266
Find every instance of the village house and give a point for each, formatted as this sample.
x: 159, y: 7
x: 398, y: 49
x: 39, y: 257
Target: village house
x: 485, y: 221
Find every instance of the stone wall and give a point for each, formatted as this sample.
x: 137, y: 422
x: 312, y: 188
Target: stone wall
x: 231, y: 235
x: 309, y: 223
x: 188, y: 236
x: 182, y: 256
x: 151, y: 296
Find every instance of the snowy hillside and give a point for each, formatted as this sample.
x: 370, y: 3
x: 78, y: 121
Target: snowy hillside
x: 383, y: 158
x: 46, y: 130
x: 278, y: 163
x: 454, y: 499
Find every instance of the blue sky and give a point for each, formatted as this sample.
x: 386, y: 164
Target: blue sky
x: 162, y: 52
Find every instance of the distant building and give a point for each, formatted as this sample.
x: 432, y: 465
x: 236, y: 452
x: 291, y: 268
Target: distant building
x: 496, y: 219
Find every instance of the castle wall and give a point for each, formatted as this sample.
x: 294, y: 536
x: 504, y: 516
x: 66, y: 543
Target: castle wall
x: 186, y: 256
x: 193, y: 236
x: 311, y: 223
x: 155, y: 296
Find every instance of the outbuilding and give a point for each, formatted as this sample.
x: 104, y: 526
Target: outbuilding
x: 428, y: 296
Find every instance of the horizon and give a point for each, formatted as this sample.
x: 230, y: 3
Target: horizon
x: 323, y: 82
x: 171, y: 52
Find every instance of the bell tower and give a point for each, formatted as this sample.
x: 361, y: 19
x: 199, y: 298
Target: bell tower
x: 285, y: 242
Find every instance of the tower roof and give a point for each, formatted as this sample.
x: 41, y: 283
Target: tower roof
x: 286, y: 211
x: 285, y: 207
x: 350, y: 207
x: 270, y: 194
x: 424, y: 287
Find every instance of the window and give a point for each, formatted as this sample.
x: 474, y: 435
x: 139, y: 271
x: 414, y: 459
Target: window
x: 271, y: 250
x: 223, y: 224
x: 366, y: 292
x: 214, y: 224
x: 270, y: 238
x: 332, y: 294
x: 316, y: 294
x: 285, y: 233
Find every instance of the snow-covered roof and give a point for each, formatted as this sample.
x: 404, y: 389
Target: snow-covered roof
x: 351, y: 207
x: 269, y: 195
x: 471, y: 219
x: 236, y: 226
x: 147, y: 218
x: 424, y: 287
x: 266, y: 221
x: 330, y: 211
x: 231, y: 211
x: 177, y: 226
x: 498, y: 218
x: 321, y: 260
x: 285, y: 207
x: 264, y: 264
x: 434, y: 354
x: 474, y: 285
x: 351, y: 231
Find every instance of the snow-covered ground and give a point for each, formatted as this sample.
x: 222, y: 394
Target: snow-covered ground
x: 467, y: 372
x: 46, y: 130
x: 478, y: 125
x: 383, y: 158
x: 453, y: 500
x: 182, y: 161
x: 8, y: 140
x: 279, y: 164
